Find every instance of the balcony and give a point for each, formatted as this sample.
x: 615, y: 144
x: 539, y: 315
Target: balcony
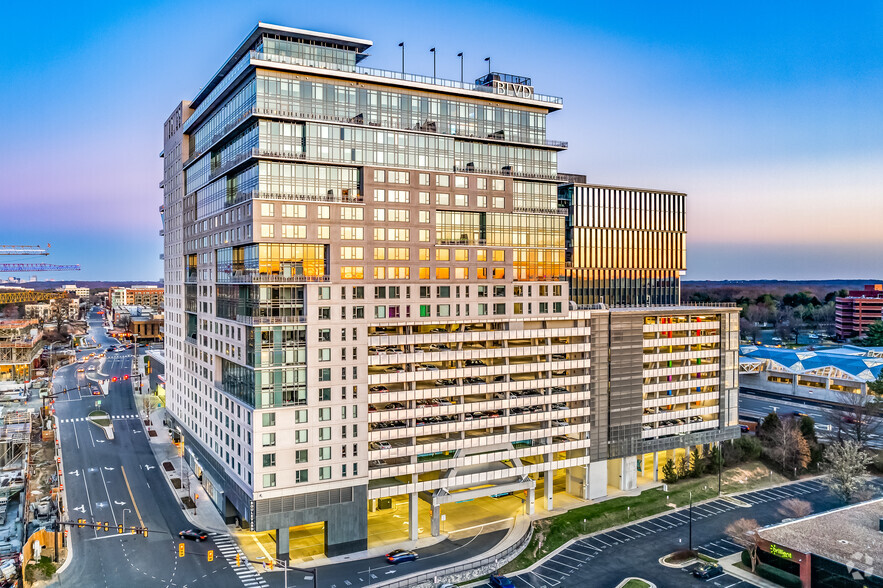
x: 269, y: 320
x: 249, y: 277
x: 469, y: 169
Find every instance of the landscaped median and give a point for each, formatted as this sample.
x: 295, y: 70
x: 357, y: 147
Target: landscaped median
x: 102, y: 420
x: 553, y: 532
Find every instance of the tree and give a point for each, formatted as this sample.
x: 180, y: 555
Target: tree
x: 847, y: 466
x: 874, y: 335
x: 876, y: 387
x: 787, y: 446
x: 794, y: 508
x: 669, y: 473
x: 743, y: 532
x: 770, y: 424
x: 682, y: 466
x: 807, y: 428
x: 697, y: 465
x: 858, y: 416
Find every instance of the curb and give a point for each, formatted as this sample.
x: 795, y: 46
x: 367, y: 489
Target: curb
x: 659, y: 514
x: 70, y: 542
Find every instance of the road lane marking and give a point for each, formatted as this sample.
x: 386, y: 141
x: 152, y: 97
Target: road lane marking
x: 135, y: 504
x: 109, y: 499
x: 88, y: 499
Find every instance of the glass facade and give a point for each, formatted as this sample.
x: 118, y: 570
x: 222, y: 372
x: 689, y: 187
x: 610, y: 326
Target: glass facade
x: 625, y: 246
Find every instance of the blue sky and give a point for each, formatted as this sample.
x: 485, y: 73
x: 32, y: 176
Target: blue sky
x: 767, y: 114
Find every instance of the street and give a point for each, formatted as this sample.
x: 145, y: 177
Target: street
x: 119, y: 482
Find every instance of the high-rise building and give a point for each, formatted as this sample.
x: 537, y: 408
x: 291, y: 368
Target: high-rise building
x: 855, y: 312
x: 625, y: 246
x: 366, y: 302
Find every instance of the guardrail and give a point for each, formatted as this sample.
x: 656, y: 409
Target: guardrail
x: 454, y: 573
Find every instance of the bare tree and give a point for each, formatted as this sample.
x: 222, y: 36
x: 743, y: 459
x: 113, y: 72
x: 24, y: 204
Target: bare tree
x: 847, y: 466
x: 794, y: 508
x: 787, y: 445
x: 859, y: 416
x: 744, y: 533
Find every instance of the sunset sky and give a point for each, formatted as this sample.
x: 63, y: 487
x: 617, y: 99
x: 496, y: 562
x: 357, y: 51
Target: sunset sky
x: 767, y: 114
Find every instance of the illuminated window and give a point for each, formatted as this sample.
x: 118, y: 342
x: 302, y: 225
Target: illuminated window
x: 423, y: 235
x: 461, y: 273
x: 481, y: 201
x: 424, y: 255
x: 294, y: 210
x: 398, y: 235
x: 294, y: 231
x: 352, y: 213
x: 352, y: 253
x: 481, y: 255
x: 461, y: 182
x: 482, y: 273
x: 443, y: 181
x: 499, y: 202
x: 442, y: 199
x: 499, y: 273
x: 352, y: 272
x: 379, y: 195
x: 442, y: 254
x: 323, y: 232
x: 379, y: 273
x: 399, y: 253
x: 544, y: 290
x: 352, y: 233
x: 499, y: 185
x: 461, y: 200
x: 518, y: 308
x: 398, y: 273
x: 379, y: 175
x: 481, y: 183
x: 267, y: 230
x: 461, y: 254
x: 379, y: 214
x: 267, y: 209
x: 423, y: 180
x: 423, y: 198
x: 323, y: 212
x: 379, y: 253
x: 379, y: 234
x: 442, y: 273
x: 399, y: 216
x: 499, y: 255
x: 424, y: 273
x: 424, y: 216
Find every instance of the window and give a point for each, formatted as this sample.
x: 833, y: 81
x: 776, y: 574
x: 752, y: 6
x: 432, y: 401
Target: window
x: 268, y: 419
x: 443, y: 292
x: 267, y: 209
x: 499, y: 202
x: 556, y: 307
x: 324, y: 414
x: 481, y: 183
x: 461, y: 182
x: 544, y: 307
x: 443, y: 310
x: 294, y: 210
x: 442, y: 254
x: 324, y: 293
x: 499, y: 291
x: 358, y: 292
x: 325, y: 375
x: 499, y: 273
x: 425, y: 292
x: 442, y: 199
x: 499, y: 185
x: 379, y: 175
x: 324, y: 335
x: 518, y: 308
x: 500, y: 308
x: 544, y: 290
x: 269, y: 460
x: 556, y: 290
x: 424, y: 310
x: 461, y: 200
x: 300, y: 456
x: 423, y: 198
x: 352, y: 213
x: 268, y: 440
x: 352, y: 252
x: 323, y: 212
x: 267, y: 231
x: 424, y: 254
x: 325, y: 354
x: 325, y: 473
x: 324, y: 453
x: 443, y: 181
x: 461, y: 255
x: 352, y: 272
x: 352, y: 233
x: 324, y: 394
x: 301, y: 436
x: 323, y: 232
x: 442, y: 273
x: 325, y: 433
x: 423, y: 179
x: 324, y: 313
x: 461, y: 273
x: 358, y: 312
x: 301, y: 476
x: 482, y: 308
x: 423, y: 235
x: 423, y: 273
x: 269, y: 480
x: 379, y: 312
x: 481, y: 201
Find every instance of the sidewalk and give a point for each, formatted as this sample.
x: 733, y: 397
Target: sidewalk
x: 728, y: 564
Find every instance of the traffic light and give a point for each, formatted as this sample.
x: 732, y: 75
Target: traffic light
x: 238, y: 562
x: 106, y: 526
x: 211, y: 554
x: 133, y: 530
x: 144, y: 530
x: 80, y: 523
x: 272, y: 563
x: 119, y: 528
x: 180, y: 550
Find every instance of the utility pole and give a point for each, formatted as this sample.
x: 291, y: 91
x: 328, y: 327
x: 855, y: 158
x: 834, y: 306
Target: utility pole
x: 720, y: 465
x: 690, y: 541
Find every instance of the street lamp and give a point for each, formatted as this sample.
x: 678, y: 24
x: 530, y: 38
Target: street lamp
x: 124, y: 517
x: 690, y: 540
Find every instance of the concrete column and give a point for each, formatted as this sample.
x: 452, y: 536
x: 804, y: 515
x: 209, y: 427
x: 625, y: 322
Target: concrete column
x: 413, y: 519
x: 547, y: 487
x: 436, y: 521
x: 282, y: 540
x: 655, y: 466
x: 529, y: 505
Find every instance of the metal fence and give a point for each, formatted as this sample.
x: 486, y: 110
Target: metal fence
x: 436, y: 575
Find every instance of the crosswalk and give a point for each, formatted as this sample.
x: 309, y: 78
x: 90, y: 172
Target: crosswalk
x: 119, y: 417
x: 228, y: 548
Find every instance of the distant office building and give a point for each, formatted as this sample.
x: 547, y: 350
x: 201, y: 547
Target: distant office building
x: 20, y: 347
x: 136, y: 296
x: 854, y: 312
x: 76, y: 291
x: 625, y: 246
x: 368, y: 303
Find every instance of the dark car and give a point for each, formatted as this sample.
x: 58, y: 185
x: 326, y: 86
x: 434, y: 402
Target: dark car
x: 474, y: 363
x: 708, y: 572
x: 501, y: 581
x: 400, y: 555
x: 193, y: 535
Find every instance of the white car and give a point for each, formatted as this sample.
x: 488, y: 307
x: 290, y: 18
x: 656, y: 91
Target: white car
x: 381, y: 445
x: 427, y: 367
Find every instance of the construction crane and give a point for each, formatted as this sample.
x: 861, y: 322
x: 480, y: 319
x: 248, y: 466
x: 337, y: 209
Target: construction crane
x: 16, y: 296
x: 22, y: 250
x: 37, y: 267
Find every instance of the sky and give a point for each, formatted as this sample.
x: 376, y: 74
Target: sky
x: 766, y: 114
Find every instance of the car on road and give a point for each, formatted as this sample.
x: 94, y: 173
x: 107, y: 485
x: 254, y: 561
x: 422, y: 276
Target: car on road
x: 400, y: 555
x: 193, y: 535
x: 707, y: 572
x: 500, y: 581
x: 80, y: 370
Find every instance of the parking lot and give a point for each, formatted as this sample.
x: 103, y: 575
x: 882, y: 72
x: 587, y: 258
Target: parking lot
x: 604, y: 559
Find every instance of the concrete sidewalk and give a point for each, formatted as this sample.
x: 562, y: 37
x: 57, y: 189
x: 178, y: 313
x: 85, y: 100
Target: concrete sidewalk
x: 728, y: 564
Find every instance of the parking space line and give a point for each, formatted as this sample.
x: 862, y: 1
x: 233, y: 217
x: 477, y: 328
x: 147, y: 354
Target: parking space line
x: 610, y: 534
x: 613, y: 540
x: 562, y: 554
x: 586, y: 541
x: 554, y: 582
x: 595, y: 551
x: 642, y: 527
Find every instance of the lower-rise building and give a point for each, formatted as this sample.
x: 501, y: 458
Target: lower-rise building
x: 855, y: 312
